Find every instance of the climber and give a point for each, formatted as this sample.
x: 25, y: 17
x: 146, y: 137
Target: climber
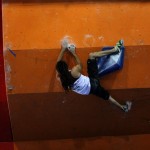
x: 75, y: 81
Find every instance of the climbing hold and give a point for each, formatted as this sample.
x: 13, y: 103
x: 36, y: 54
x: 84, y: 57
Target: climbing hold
x: 71, y: 47
x: 12, y: 52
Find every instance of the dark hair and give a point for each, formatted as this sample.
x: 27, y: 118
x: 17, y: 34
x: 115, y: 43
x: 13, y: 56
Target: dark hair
x: 65, y: 76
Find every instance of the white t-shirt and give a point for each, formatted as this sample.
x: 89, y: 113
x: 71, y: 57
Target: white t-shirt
x: 82, y: 85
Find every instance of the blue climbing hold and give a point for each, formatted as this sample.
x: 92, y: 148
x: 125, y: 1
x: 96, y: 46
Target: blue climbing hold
x: 110, y: 63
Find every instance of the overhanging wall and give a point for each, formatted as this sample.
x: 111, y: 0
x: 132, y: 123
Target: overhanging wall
x: 34, y: 30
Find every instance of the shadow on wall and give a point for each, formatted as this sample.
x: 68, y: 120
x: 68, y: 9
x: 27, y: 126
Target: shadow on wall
x: 62, y: 1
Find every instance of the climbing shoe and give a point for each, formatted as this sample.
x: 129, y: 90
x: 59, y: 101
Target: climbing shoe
x: 127, y: 106
x: 119, y: 44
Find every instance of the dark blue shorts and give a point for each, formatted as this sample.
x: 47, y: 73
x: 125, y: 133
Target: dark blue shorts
x: 96, y: 88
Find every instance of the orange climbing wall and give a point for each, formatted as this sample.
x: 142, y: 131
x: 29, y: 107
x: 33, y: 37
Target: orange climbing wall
x: 33, y: 30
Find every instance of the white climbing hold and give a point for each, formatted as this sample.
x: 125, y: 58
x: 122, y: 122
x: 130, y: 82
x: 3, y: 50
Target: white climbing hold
x: 71, y: 47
